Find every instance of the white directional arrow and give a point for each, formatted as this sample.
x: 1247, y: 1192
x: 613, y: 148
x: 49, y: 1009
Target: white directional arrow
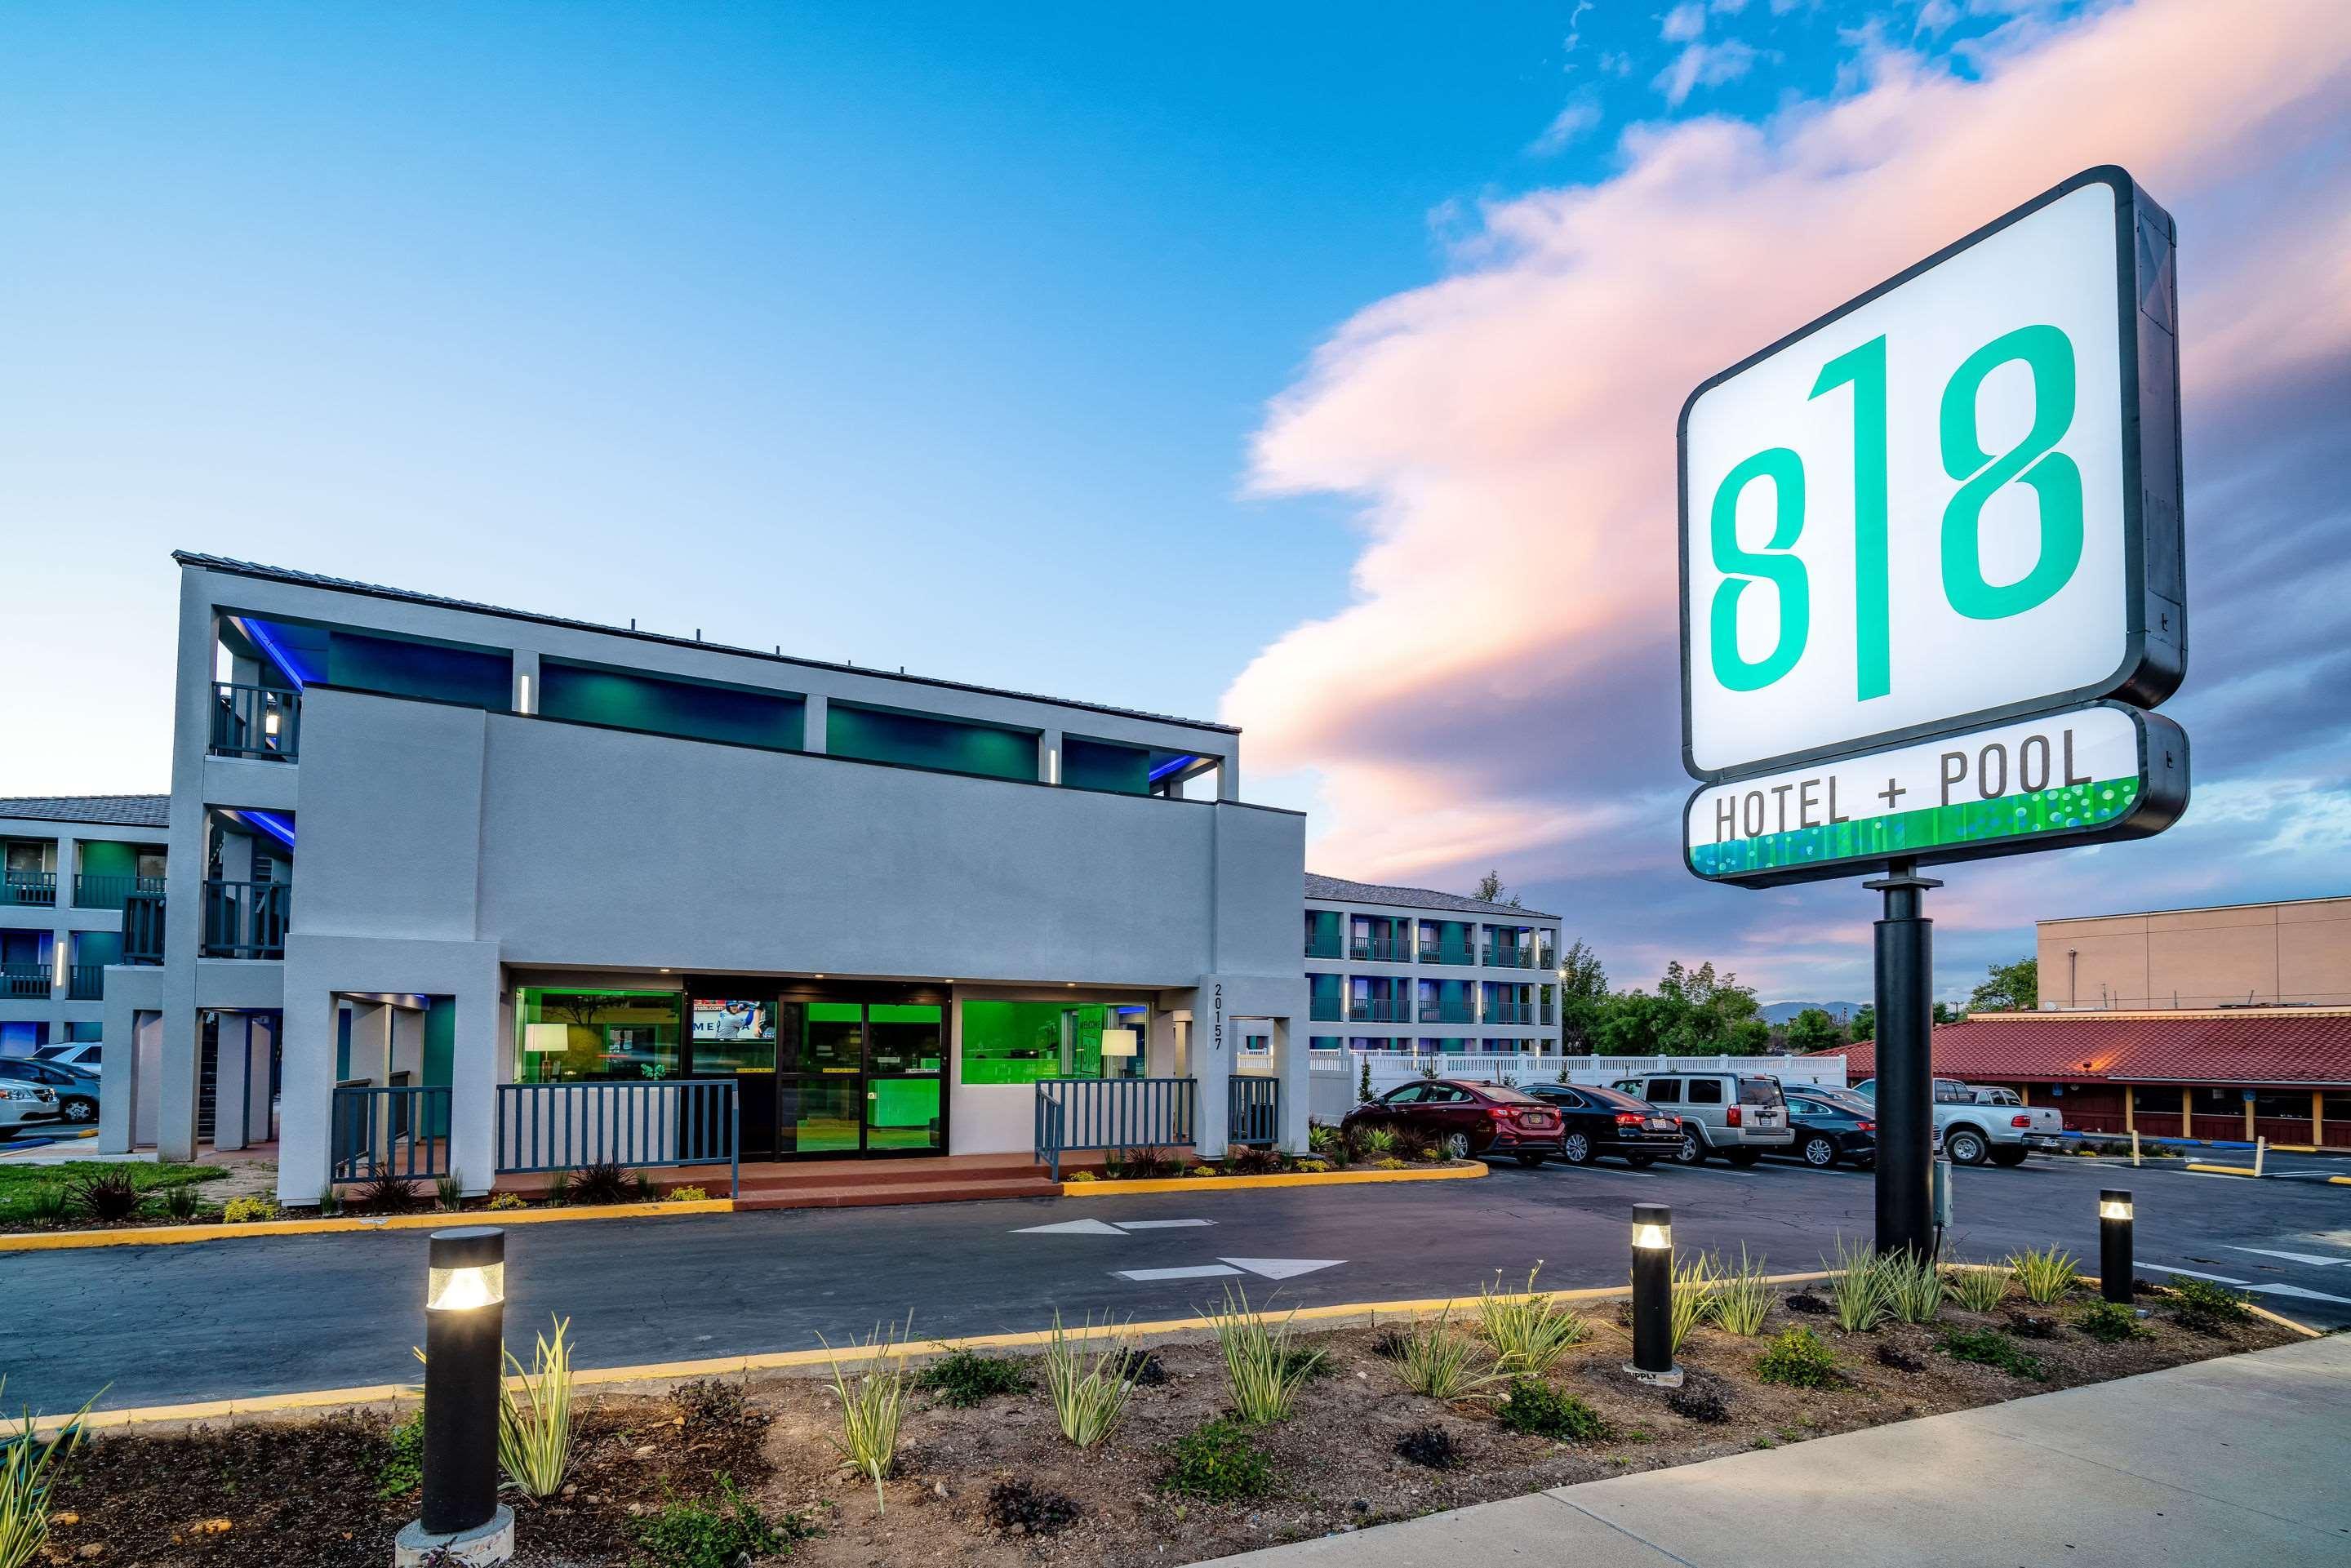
x: 1072, y: 1228
x: 1161, y: 1224
x: 1283, y: 1268
x: 2311, y: 1258
x: 1195, y: 1271
x: 2297, y: 1292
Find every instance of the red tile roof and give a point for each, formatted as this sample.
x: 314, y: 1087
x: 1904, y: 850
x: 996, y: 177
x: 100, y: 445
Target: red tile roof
x: 2282, y: 1046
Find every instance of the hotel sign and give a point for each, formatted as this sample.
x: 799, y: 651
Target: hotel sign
x: 1943, y: 519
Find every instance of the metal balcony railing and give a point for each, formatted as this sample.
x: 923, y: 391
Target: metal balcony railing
x: 1323, y: 947
x: 1252, y: 1109
x: 112, y: 892
x: 1509, y: 1013
x: 1447, y: 1012
x: 23, y: 982
x: 86, y: 983
x: 1326, y: 1009
x: 256, y: 721
x: 1509, y: 957
x: 1440, y: 953
x: 247, y: 919
x: 1384, y: 950
x: 1392, y: 1010
x: 30, y: 887
x: 142, y: 928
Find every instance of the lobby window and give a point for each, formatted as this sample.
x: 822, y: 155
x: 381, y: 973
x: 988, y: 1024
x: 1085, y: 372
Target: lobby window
x: 929, y: 740
x: 1323, y: 1043
x: 1021, y: 1042
x: 572, y: 1037
x: 688, y: 710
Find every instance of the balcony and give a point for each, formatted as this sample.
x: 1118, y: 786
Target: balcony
x: 86, y: 983
x: 1392, y: 1010
x: 1509, y: 1013
x: 38, y: 888
x: 246, y: 919
x: 1326, y: 1009
x: 112, y: 892
x: 1384, y: 950
x: 25, y: 982
x: 1323, y: 947
x: 1447, y: 1012
x: 1499, y: 957
x: 142, y: 927
x: 1441, y: 952
x: 256, y: 721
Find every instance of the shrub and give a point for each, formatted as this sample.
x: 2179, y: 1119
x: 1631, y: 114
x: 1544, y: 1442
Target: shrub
x: 709, y: 1405
x: 1701, y: 1398
x: 1742, y: 1296
x: 1312, y: 1168
x: 47, y: 1204
x: 246, y: 1210
x: 1375, y: 1143
x: 1363, y: 1087
x: 1251, y: 1161
x: 1540, y: 1410
x: 1262, y: 1371
x: 1980, y: 1289
x: 2205, y: 1305
x: 1530, y: 1331
x: 1799, y: 1358
x: 181, y: 1202
x: 2108, y: 1323
x: 401, y: 1469
x: 605, y: 1182
x: 504, y: 1201
x: 1015, y: 1505
x: 558, y: 1186
x: 1417, y: 1144
x: 331, y: 1202
x: 449, y: 1190
x: 1321, y: 1138
x: 107, y: 1197
x: 1201, y: 1171
x: 1806, y: 1302
x: 1144, y: 1164
x: 1990, y: 1347
x: 871, y: 1412
x: 1862, y: 1293
x: 642, y: 1188
x: 686, y: 1194
x: 534, y: 1419
x: 1900, y: 1360
x: 1914, y: 1287
x: 1218, y: 1461
x: 1089, y: 1395
x: 1440, y: 1362
x: 25, y: 1485
x: 1082, y: 1176
x: 721, y: 1534
x: 385, y: 1193
x: 1431, y: 1448
x: 1693, y: 1296
x: 2046, y: 1274
x: 963, y: 1379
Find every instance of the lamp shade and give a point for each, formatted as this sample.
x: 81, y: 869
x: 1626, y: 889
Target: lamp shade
x: 1119, y: 1043
x: 543, y: 1038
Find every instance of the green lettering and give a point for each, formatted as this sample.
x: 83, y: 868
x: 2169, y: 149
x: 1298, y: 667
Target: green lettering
x: 1744, y: 568
x: 1864, y: 369
x: 2056, y: 482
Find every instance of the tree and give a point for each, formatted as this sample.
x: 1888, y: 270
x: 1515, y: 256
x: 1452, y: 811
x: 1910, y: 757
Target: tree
x: 2012, y: 988
x: 1489, y: 891
x: 1694, y: 1012
x: 1813, y: 1029
x: 1945, y: 1013
x: 1582, y: 994
x: 1863, y: 1025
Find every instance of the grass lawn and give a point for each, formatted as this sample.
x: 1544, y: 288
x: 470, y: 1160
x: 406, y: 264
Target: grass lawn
x: 19, y: 1183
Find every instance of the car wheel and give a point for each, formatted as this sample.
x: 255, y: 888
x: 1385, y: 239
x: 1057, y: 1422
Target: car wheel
x: 1640, y: 1162
x: 1743, y: 1159
x: 1966, y: 1146
x: 1531, y: 1161
x: 1576, y: 1149
x: 80, y: 1111
x: 1455, y: 1145
x: 1820, y: 1152
x: 1692, y: 1151
x: 2008, y: 1155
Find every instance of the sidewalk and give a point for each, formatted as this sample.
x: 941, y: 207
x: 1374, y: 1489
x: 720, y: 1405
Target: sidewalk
x: 2240, y: 1460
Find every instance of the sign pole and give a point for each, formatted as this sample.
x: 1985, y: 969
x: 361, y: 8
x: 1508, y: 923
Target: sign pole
x: 1905, y: 1072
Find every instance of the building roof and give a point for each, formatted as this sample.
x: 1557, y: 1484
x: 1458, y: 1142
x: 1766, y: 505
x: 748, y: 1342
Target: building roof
x: 1338, y: 889
x: 409, y: 596
x: 2228, y: 1046
x: 114, y: 810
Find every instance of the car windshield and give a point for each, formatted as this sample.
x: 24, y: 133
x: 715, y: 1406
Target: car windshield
x: 1758, y: 1092
x: 1615, y: 1101
x: 1506, y: 1095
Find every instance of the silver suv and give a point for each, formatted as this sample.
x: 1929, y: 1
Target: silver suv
x: 1737, y: 1115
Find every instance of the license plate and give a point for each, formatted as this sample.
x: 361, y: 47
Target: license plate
x: 2042, y: 1141
x: 1660, y: 1124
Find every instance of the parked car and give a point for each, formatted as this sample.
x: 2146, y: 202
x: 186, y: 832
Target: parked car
x: 73, y: 1053
x: 75, y: 1091
x: 1831, y: 1126
x: 1978, y: 1124
x: 24, y: 1106
x: 1596, y: 1121
x: 1465, y: 1118
x: 1739, y: 1116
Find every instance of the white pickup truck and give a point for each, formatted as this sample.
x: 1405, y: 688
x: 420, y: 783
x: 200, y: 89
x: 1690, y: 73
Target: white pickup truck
x: 1978, y: 1124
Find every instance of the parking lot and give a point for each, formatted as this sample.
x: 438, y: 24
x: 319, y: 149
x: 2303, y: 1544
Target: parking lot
x: 167, y: 1324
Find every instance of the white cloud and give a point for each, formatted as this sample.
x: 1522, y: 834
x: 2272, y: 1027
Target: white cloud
x: 1566, y: 125
x: 1684, y: 22
x: 1704, y: 65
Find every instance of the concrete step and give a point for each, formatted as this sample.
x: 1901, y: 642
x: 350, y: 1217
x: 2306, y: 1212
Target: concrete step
x: 863, y: 1195
x: 796, y: 1176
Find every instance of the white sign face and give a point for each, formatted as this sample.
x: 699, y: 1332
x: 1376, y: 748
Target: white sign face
x: 1923, y: 509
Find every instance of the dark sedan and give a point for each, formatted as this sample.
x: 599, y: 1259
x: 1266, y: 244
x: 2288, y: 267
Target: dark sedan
x: 1465, y: 1118
x: 1831, y: 1126
x: 1596, y: 1121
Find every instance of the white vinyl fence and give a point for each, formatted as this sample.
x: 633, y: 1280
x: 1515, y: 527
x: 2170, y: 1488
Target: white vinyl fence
x: 1338, y: 1074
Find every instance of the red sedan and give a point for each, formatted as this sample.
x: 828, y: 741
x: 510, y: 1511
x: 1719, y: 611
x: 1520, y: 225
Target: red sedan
x: 1465, y: 1118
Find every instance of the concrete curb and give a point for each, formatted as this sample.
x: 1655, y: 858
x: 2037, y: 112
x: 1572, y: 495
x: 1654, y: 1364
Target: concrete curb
x: 2246, y: 1171
x: 176, y: 1235
x: 1285, y: 1178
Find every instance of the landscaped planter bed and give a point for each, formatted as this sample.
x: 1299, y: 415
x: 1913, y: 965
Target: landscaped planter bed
x: 306, y: 1492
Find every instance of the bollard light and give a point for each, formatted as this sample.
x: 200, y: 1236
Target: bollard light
x: 465, y: 1327
x: 2114, y: 1245
x: 1653, y: 1295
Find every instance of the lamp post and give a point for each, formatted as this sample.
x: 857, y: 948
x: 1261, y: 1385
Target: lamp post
x: 465, y: 1323
x: 2114, y: 1245
x: 1652, y: 1296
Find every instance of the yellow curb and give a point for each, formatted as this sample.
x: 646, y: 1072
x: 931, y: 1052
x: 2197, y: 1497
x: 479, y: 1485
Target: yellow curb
x: 1286, y: 1178
x: 2339, y: 1181
x: 2219, y: 1170
x: 782, y: 1361
x: 173, y: 1234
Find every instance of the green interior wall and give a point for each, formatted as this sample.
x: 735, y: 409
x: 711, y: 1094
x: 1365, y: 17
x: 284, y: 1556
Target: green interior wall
x: 343, y: 1043
x: 926, y: 740
x: 440, y: 1054
x: 681, y: 708
x: 471, y: 676
x: 96, y: 947
x: 1020, y: 1042
x: 1100, y: 765
x: 101, y: 857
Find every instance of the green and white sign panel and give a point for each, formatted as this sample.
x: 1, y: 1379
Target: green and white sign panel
x: 1942, y: 523
x: 2099, y: 771
x: 1953, y: 500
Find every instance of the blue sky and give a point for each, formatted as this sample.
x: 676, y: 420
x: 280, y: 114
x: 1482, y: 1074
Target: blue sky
x: 935, y: 336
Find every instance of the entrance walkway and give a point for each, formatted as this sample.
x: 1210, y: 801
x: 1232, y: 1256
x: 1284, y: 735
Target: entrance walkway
x: 2238, y: 1461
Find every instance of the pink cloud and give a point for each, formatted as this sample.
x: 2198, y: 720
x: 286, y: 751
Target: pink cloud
x: 1504, y: 686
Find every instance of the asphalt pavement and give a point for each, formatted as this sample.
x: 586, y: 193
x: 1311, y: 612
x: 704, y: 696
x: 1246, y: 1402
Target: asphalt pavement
x: 215, y: 1320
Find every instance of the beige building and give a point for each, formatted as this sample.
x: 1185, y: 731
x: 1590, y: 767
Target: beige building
x: 2296, y: 953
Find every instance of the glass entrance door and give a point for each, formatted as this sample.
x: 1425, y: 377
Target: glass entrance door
x: 826, y: 1078
x: 820, y: 1095
x: 906, y: 1058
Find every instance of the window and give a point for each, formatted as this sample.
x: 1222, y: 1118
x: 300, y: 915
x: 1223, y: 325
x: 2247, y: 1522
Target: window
x: 580, y: 1036
x: 1021, y: 1042
x: 440, y: 672
x: 1410, y: 1095
x: 1757, y: 1092
x: 1106, y: 765
x: 689, y: 710
x: 929, y: 740
x: 1663, y: 1091
x: 1446, y: 1094
x: 1705, y: 1091
x: 1257, y: 1044
x: 1323, y: 1042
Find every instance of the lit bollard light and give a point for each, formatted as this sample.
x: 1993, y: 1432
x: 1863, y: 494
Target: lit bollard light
x: 465, y: 1327
x: 2114, y: 1245
x: 1653, y: 1295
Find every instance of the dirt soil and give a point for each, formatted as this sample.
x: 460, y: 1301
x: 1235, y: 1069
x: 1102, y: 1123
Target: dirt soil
x: 306, y: 1494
